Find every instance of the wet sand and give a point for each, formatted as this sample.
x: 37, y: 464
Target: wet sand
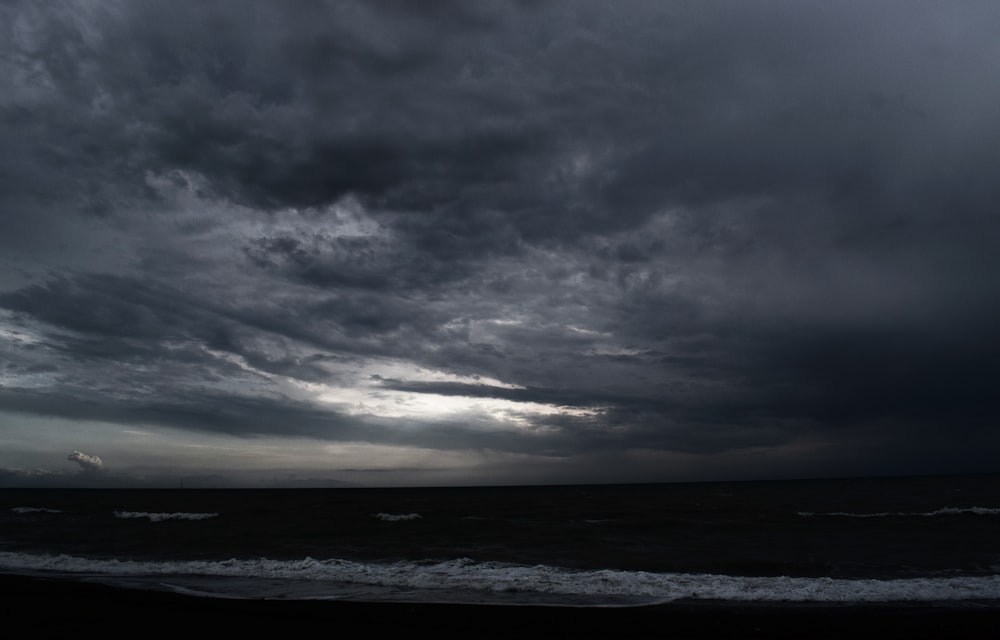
x: 56, y: 606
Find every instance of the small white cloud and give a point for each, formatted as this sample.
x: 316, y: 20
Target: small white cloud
x: 86, y: 461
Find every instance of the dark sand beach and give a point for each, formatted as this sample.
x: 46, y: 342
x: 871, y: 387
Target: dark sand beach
x: 57, y: 606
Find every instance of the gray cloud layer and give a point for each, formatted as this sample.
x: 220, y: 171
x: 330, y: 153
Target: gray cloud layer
x: 693, y: 227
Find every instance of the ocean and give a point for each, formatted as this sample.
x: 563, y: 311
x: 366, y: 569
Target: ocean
x: 874, y: 540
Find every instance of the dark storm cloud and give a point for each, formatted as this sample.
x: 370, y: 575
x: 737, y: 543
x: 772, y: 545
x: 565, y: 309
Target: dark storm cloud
x: 118, y: 322
x: 294, y: 108
x: 683, y: 227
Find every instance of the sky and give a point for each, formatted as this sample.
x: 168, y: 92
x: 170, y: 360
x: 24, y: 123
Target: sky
x: 251, y: 243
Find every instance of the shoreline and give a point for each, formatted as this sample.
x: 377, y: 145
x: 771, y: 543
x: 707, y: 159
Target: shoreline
x: 59, y: 605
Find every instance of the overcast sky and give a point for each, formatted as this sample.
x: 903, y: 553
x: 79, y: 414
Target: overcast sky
x: 498, y: 242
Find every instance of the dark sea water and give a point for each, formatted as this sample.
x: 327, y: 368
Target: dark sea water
x: 862, y: 540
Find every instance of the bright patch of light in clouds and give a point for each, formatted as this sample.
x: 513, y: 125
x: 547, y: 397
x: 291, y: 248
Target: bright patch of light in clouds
x: 405, y: 404
x: 366, y: 396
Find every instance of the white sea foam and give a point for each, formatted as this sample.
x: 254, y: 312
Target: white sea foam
x: 160, y: 517
x: 444, y: 579
x: 34, y: 510
x: 946, y: 511
x: 397, y: 517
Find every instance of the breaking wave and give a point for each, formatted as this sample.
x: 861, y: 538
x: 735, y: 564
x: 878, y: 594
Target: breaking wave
x: 160, y: 517
x: 479, y: 581
x: 947, y: 511
x: 397, y: 517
